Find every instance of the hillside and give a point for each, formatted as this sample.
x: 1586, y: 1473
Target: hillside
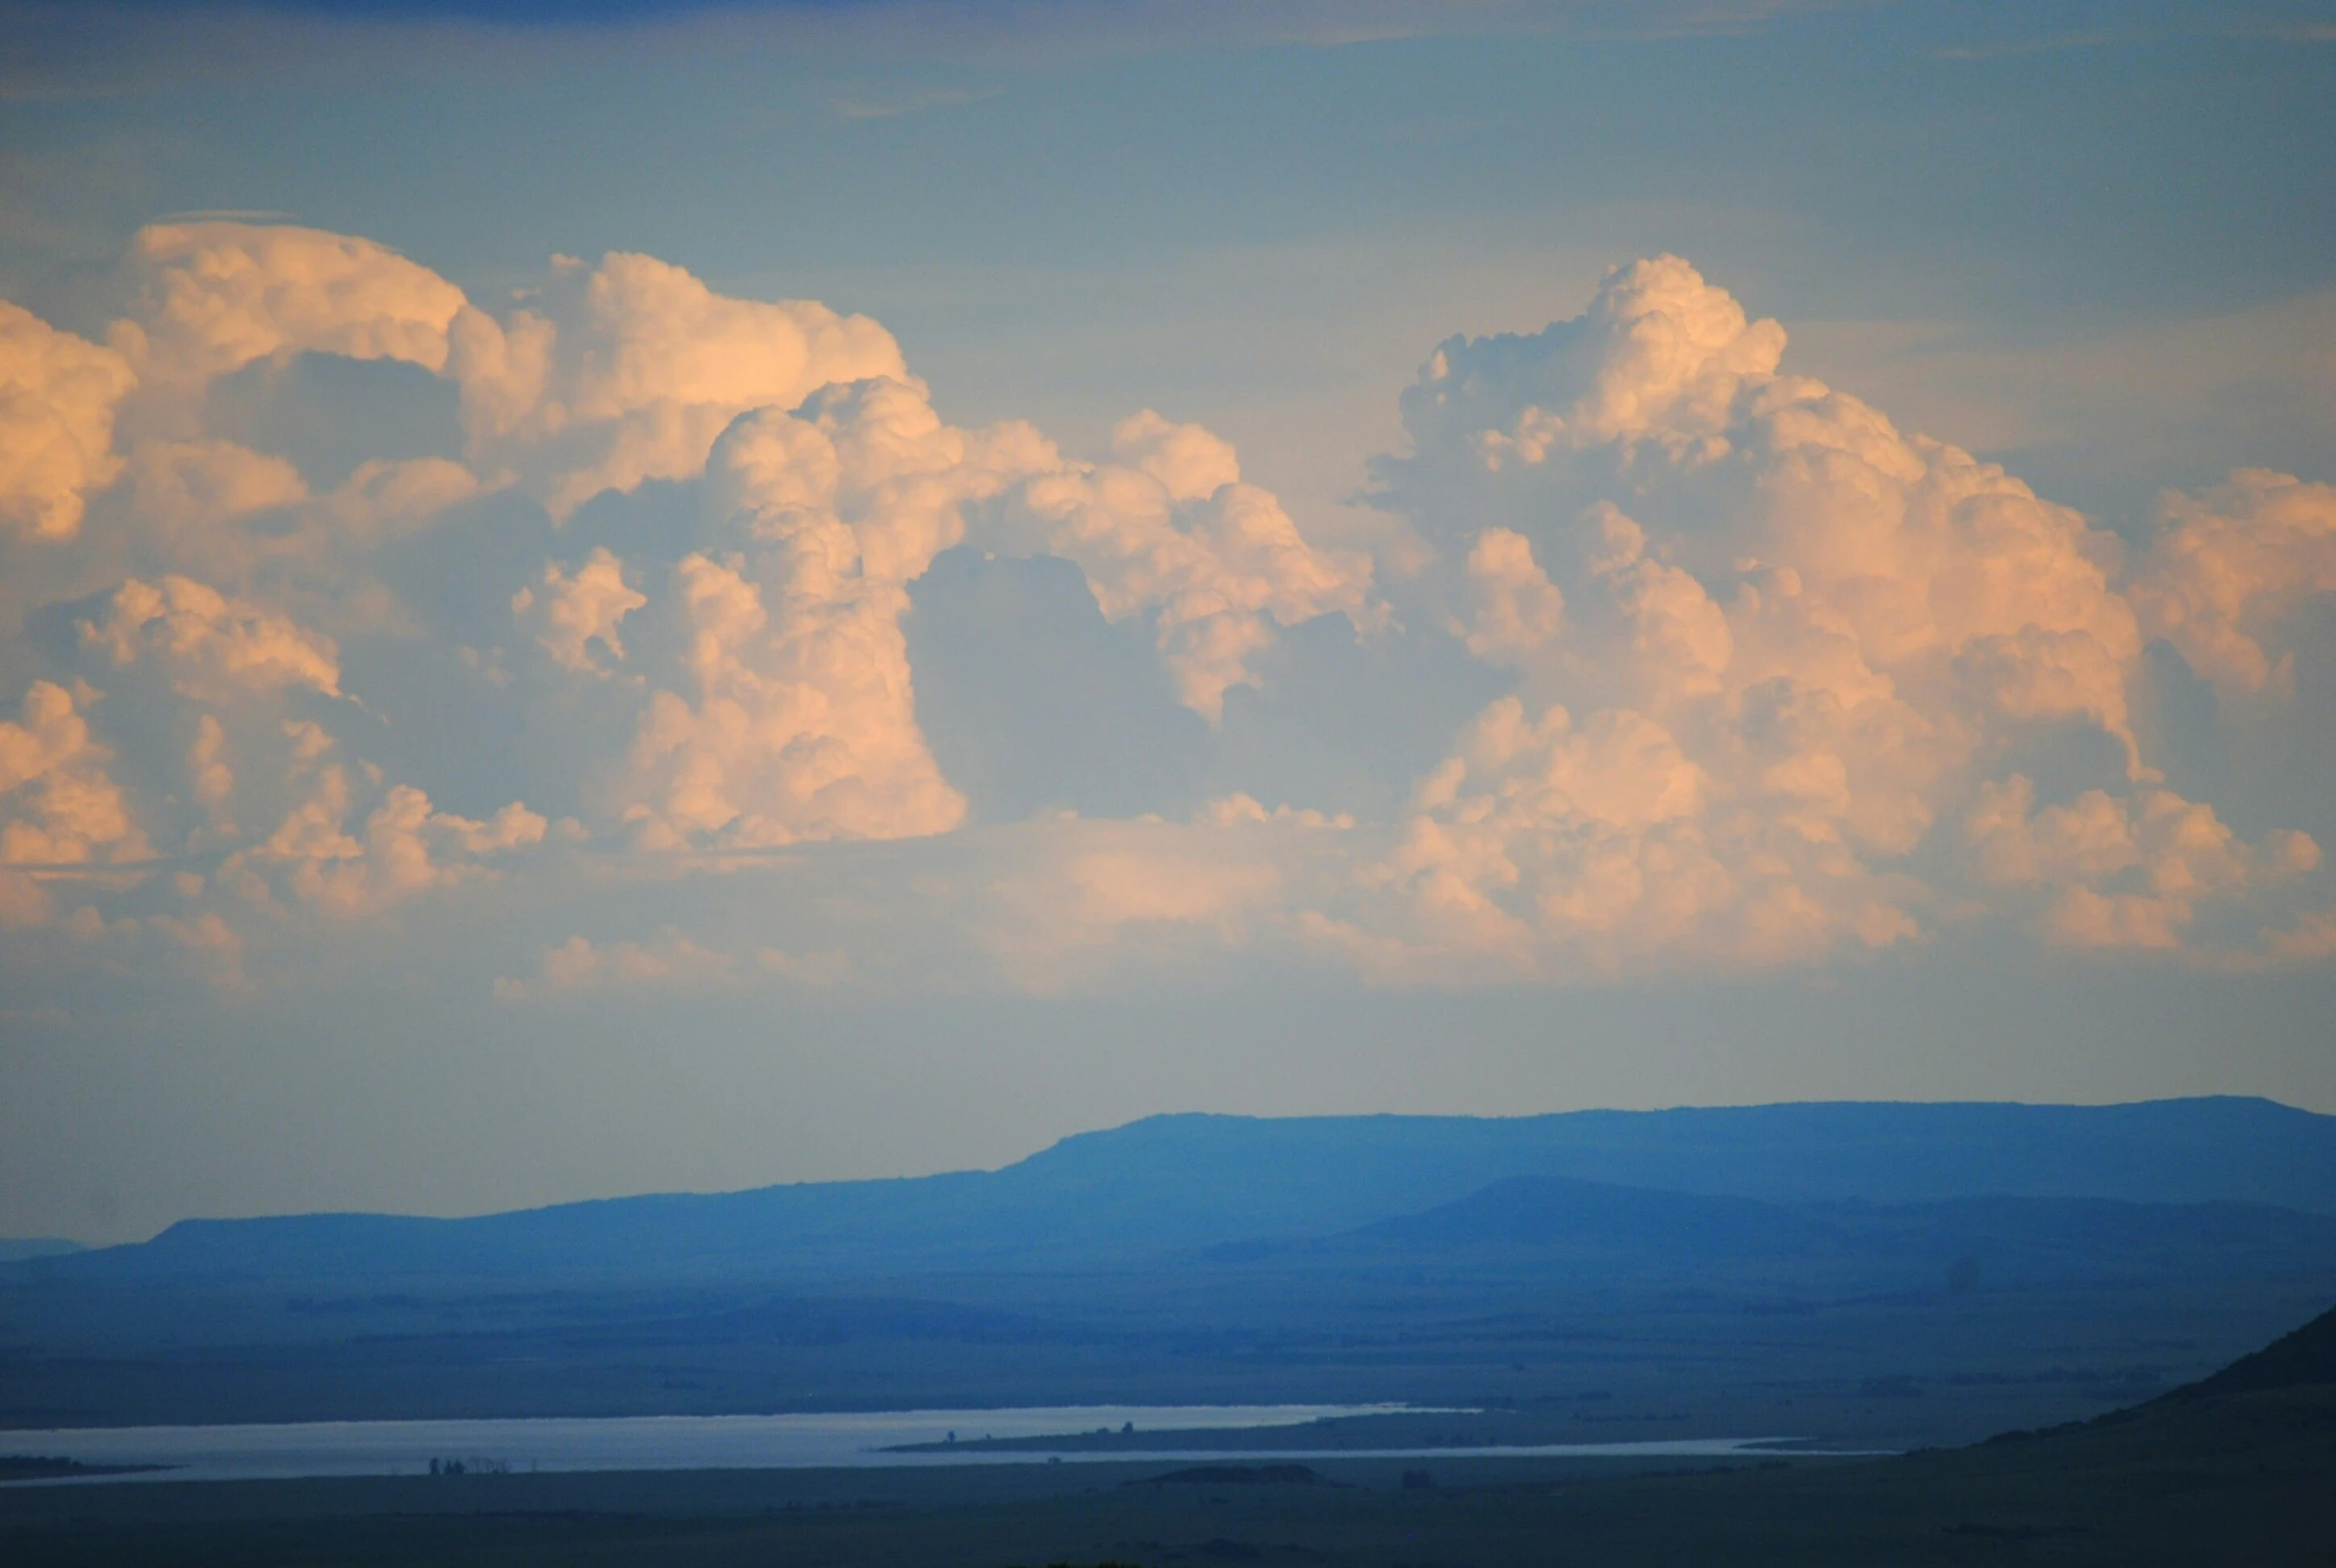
x: 2303, y: 1358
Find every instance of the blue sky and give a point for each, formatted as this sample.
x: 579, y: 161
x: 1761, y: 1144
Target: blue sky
x: 1130, y: 740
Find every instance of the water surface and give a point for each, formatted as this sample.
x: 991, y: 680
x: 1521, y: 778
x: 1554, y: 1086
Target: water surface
x: 698, y: 1443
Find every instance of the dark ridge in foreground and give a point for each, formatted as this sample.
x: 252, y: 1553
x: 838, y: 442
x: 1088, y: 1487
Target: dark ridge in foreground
x: 2302, y: 1362
x: 2302, y: 1358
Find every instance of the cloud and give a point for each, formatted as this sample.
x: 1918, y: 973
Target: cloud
x: 1755, y: 677
x: 1081, y: 901
x: 247, y: 523
x: 2124, y: 872
x: 217, y: 296
x: 186, y: 491
x: 1169, y: 531
x: 782, y: 708
x: 212, y: 780
x: 58, y: 393
x: 781, y: 702
x: 402, y: 848
x: 1659, y: 358
x: 1542, y: 845
x: 671, y: 962
x: 1513, y: 609
x: 60, y: 808
x: 1767, y: 644
x: 578, y: 609
x: 2233, y: 566
x: 386, y: 499
x: 601, y: 378
x: 211, y: 644
x: 613, y: 374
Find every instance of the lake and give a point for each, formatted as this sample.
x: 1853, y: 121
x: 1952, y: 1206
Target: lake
x: 697, y: 1442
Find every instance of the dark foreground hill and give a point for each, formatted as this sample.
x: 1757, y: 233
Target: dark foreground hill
x: 1179, y: 1183
x: 2303, y: 1358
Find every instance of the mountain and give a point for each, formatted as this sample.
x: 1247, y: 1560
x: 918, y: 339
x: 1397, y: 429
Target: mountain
x: 1182, y: 1183
x: 1556, y: 1226
x: 14, y: 1248
x: 1526, y: 1218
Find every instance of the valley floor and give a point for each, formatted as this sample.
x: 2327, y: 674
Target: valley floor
x: 2248, y: 1478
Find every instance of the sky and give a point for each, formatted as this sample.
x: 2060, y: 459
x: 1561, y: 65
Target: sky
x: 613, y: 598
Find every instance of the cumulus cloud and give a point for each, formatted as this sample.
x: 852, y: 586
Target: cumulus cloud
x: 403, y: 847
x: 578, y: 609
x: 782, y: 703
x: 613, y: 375
x: 1767, y: 644
x: 60, y: 808
x: 783, y: 706
x: 1600, y: 847
x: 2232, y: 565
x: 218, y: 296
x: 211, y: 779
x: 1513, y: 609
x: 1659, y: 360
x: 1760, y: 678
x: 186, y: 489
x: 210, y: 643
x: 58, y: 393
x: 248, y: 522
x: 1169, y: 530
x: 600, y: 379
x: 2124, y: 872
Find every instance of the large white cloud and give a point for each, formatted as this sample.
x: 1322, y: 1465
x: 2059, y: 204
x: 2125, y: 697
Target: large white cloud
x: 1767, y: 645
x: 781, y: 703
x: 625, y: 372
x: 1783, y: 681
x: 780, y: 698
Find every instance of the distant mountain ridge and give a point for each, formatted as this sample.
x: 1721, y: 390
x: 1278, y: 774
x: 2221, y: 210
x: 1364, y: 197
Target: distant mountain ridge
x: 1558, y: 1228
x: 1192, y: 1182
x: 14, y: 1248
